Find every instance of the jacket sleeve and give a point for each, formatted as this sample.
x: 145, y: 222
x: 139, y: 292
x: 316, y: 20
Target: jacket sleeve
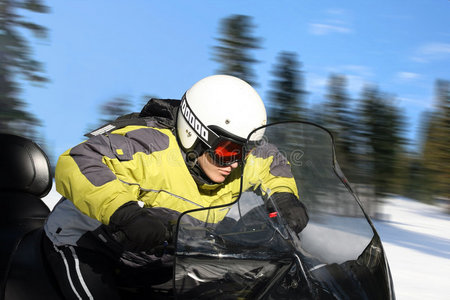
x: 270, y: 170
x: 86, y: 174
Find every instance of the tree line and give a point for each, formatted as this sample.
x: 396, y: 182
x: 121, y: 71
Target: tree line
x: 17, y: 65
x: 369, y: 131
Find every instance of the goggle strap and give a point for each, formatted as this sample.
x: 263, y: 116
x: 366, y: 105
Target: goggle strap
x: 205, y: 134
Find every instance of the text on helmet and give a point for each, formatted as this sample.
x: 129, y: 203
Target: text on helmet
x: 198, y: 127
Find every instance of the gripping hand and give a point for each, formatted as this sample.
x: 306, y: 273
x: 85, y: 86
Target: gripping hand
x: 292, y: 210
x: 140, y: 230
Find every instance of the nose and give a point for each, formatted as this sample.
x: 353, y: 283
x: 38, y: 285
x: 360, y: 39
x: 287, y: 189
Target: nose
x: 234, y: 165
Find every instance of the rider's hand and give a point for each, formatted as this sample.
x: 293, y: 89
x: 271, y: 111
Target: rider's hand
x: 141, y: 231
x: 292, y: 210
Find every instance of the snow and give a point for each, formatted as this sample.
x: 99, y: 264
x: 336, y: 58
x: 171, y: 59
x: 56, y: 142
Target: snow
x: 52, y: 198
x: 416, y: 239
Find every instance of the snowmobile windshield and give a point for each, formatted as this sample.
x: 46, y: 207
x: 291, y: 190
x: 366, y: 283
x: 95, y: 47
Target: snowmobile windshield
x: 262, y: 247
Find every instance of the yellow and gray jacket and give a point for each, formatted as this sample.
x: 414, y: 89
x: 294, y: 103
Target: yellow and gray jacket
x: 144, y: 163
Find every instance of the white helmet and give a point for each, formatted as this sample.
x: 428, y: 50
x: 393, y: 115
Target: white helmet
x: 216, y: 107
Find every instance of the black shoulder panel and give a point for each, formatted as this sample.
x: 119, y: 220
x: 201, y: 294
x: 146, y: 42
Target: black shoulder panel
x: 164, y: 108
x: 157, y: 112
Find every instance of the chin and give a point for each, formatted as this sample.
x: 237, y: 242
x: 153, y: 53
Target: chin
x: 218, y: 179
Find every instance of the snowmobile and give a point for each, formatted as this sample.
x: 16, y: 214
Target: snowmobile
x: 338, y: 255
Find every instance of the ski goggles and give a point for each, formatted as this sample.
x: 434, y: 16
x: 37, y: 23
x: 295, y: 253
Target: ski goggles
x: 226, y: 152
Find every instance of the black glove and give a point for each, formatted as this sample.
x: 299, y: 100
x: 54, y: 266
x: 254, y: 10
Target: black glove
x: 163, y: 249
x: 292, y: 210
x: 136, y: 229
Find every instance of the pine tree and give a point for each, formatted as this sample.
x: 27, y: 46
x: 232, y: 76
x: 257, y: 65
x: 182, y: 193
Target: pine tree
x: 337, y: 106
x: 17, y: 64
x: 338, y: 118
x: 233, y: 53
x: 381, y: 125
x: 286, y: 95
x: 114, y: 108
x: 436, y: 151
x: 415, y: 183
x: 111, y: 110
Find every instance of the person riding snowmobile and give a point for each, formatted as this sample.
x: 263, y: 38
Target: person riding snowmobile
x: 126, y: 185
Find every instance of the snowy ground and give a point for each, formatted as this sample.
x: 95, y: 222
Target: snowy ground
x: 416, y: 238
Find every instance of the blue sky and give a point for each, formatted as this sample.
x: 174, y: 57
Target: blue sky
x: 97, y: 50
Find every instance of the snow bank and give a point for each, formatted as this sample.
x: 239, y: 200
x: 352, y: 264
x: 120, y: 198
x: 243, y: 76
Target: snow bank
x: 416, y: 239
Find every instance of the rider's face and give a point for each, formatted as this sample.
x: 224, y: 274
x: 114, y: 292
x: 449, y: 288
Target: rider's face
x: 215, y: 172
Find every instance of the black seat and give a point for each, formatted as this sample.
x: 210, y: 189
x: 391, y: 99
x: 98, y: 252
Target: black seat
x: 25, y: 178
x: 28, y: 276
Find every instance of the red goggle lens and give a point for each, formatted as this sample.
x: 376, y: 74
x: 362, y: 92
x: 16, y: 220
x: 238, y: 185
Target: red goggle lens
x: 228, y: 152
